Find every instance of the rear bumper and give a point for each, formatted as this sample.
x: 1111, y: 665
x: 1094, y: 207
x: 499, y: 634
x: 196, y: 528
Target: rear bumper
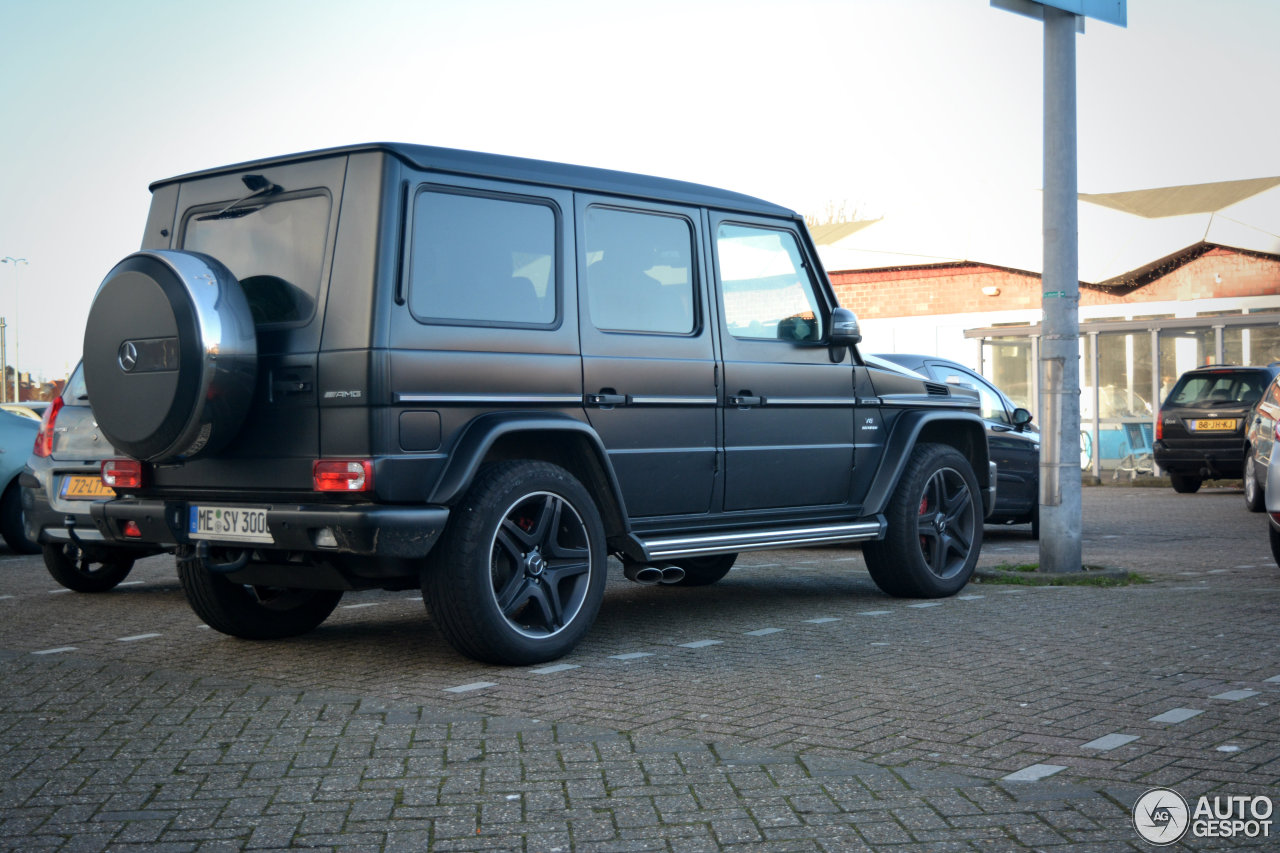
x: 1213, y: 462
x: 365, y: 529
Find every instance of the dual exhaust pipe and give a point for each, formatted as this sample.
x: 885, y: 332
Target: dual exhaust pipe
x: 650, y: 575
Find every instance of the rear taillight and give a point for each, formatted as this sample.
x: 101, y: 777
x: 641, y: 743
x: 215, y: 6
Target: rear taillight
x: 44, y: 438
x: 1160, y: 426
x: 342, y: 475
x: 1276, y: 430
x: 122, y: 473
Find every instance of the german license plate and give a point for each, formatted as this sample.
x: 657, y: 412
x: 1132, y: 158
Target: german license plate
x: 229, y: 523
x: 79, y: 487
x: 1221, y: 423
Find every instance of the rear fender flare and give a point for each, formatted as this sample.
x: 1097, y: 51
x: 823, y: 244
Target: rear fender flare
x: 482, y: 435
x: 962, y: 430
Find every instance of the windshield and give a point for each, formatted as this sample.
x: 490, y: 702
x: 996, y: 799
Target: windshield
x: 276, y: 250
x: 1218, y: 389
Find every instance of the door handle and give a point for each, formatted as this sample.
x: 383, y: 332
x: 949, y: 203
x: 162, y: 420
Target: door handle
x: 744, y: 400
x: 606, y: 400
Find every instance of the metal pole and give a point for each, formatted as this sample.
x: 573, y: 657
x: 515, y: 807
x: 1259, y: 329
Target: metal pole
x: 4, y: 380
x: 17, y: 376
x: 1060, y: 481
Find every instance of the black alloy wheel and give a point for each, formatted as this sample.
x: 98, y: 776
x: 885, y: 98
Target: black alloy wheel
x: 935, y: 527
x: 519, y: 576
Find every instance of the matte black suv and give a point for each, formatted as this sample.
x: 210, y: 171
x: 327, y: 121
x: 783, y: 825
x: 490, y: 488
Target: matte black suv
x: 392, y: 366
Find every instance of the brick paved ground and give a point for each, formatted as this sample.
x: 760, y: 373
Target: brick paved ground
x: 789, y: 707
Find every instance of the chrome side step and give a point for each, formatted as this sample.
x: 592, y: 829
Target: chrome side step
x: 671, y: 547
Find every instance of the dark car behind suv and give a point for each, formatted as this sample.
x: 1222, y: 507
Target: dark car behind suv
x: 1200, y: 431
x: 396, y: 366
x: 1013, y: 441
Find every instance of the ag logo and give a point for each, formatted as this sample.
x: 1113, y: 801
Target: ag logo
x: 1161, y: 816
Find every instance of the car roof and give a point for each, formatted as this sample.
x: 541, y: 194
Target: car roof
x: 481, y: 165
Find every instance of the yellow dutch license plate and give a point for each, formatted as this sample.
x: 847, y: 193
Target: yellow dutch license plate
x: 1221, y: 423
x: 83, y: 488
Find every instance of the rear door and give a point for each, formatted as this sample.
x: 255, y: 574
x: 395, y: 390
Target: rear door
x: 648, y: 360
x: 278, y: 243
x: 788, y: 409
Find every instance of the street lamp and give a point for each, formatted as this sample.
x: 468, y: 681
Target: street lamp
x: 17, y: 375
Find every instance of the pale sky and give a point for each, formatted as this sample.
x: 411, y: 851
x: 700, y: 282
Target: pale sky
x: 865, y: 104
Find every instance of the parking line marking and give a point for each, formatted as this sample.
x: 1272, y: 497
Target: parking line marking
x: 135, y: 638
x: 1109, y: 742
x: 3, y: 597
x: 969, y: 597
x: 58, y: 591
x: 56, y: 651
x: 924, y: 604
x: 1034, y: 773
x: 130, y: 583
x: 467, y: 688
x: 1177, y: 715
x: 632, y: 656
x: 1275, y: 679
x: 1235, y: 695
x: 822, y: 619
x: 700, y: 644
x: 1011, y: 592
x: 874, y: 612
x: 761, y: 632
x: 559, y: 667
x: 362, y: 604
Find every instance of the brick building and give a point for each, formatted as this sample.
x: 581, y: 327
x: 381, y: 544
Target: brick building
x: 1171, y: 278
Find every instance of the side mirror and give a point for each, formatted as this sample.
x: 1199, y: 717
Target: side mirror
x: 845, y: 331
x: 1021, y: 417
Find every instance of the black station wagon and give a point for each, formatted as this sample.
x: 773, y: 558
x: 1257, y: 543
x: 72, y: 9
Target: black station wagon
x: 397, y: 366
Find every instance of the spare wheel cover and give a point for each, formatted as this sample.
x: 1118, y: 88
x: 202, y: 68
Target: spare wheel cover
x: 170, y: 355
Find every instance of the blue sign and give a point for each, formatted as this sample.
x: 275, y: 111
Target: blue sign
x: 1111, y: 11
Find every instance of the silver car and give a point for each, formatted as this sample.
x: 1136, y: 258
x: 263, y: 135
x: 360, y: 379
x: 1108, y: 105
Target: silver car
x: 1272, y: 496
x: 61, y: 482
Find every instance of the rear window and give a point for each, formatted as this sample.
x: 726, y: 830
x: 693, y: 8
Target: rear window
x: 1205, y: 390
x: 76, y: 394
x: 276, y: 250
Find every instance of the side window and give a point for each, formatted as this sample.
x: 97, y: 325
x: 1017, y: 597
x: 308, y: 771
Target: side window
x: 767, y: 291
x: 482, y: 261
x: 639, y: 271
x: 992, y: 405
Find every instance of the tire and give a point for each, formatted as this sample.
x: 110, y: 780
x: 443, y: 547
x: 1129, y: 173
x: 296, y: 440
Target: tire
x: 252, y: 612
x: 13, y: 526
x: 704, y: 571
x: 520, y: 573
x: 170, y: 356
x: 1185, y: 484
x: 1254, y: 498
x: 935, y: 527
x: 86, y: 569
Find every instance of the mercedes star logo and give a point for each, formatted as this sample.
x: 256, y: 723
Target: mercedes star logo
x: 128, y: 356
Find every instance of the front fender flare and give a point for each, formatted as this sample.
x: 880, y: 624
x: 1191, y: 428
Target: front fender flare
x: 965, y: 431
